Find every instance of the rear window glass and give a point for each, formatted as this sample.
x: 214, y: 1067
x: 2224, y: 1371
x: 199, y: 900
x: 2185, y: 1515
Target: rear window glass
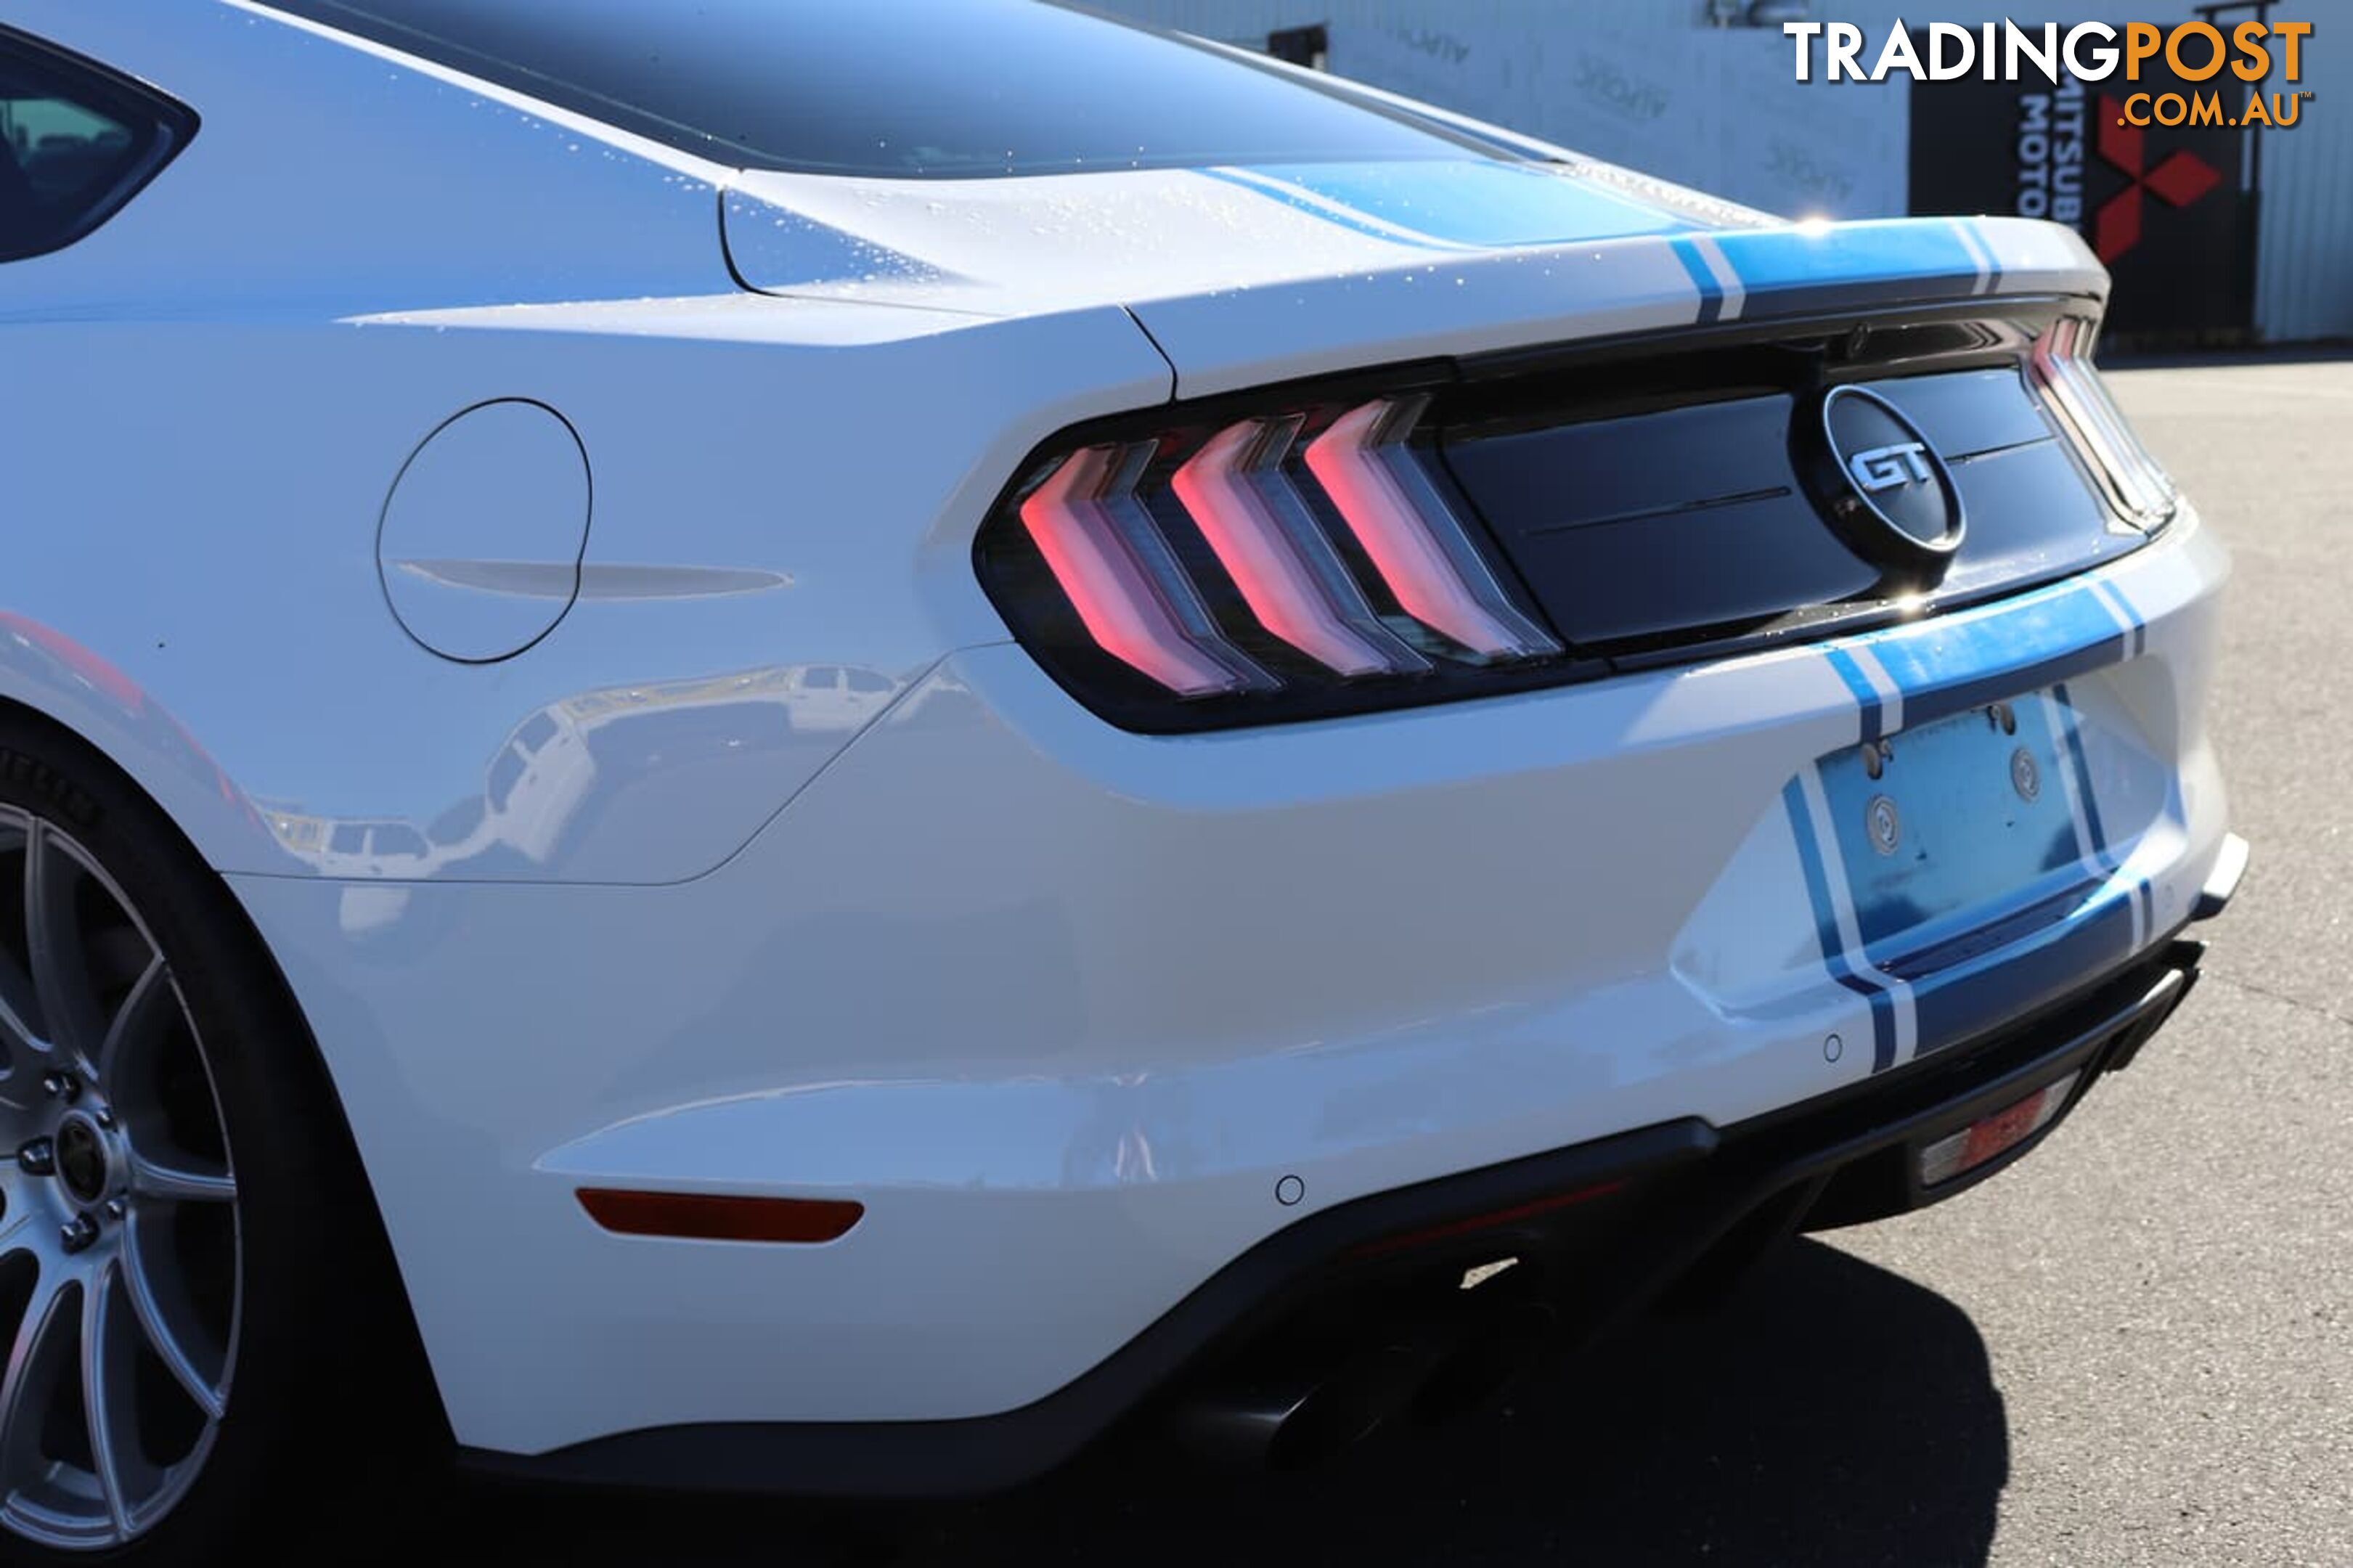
x: 914, y: 89
x: 76, y: 142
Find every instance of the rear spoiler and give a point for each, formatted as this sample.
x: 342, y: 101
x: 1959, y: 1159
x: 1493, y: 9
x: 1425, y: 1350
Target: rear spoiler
x: 1250, y: 275
x: 1465, y: 305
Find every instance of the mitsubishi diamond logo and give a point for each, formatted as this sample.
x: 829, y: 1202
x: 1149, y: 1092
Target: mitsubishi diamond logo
x: 2182, y: 179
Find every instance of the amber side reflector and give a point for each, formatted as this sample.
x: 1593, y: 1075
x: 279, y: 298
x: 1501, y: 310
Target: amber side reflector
x: 697, y: 1217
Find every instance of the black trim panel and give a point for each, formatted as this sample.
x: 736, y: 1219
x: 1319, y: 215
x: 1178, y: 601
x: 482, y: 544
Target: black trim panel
x: 1683, y: 527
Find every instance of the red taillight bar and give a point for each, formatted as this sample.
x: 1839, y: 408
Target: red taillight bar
x: 1415, y: 542
x: 1120, y: 578
x: 1235, y: 492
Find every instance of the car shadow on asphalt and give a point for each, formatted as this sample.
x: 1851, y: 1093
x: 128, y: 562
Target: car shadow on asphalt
x: 1832, y: 1414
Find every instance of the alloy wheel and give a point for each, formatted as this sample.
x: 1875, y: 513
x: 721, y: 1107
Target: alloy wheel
x: 120, y: 1268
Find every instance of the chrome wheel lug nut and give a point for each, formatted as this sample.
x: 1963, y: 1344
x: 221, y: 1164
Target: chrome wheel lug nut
x: 78, y: 1233
x: 116, y: 1209
x: 104, y: 1118
x: 37, y: 1158
x: 62, y: 1086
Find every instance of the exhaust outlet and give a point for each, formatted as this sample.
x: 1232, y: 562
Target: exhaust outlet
x: 1483, y: 1362
x: 1280, y: 1421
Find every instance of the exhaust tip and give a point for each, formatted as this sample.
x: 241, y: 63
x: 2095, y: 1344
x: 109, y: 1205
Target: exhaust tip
x: 1484, y: 1365
x: 1290, y: 1423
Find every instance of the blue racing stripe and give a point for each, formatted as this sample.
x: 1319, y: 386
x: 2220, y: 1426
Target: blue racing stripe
x: 1792, y: 269
x: 1818, y: 890
x: 1711, y: 292
x: 1875, y: 720
x: 1992, y: 258
x: 1947, y: 666
x: 2071, y: 732
x: 1971, y: 999
x: 1955, y: 663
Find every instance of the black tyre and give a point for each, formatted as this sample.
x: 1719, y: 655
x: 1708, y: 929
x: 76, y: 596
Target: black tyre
x: 200, y: 1351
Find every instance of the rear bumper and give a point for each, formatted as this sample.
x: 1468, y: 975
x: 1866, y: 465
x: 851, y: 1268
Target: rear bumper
x: 1063, y: 1007
x: 1598, y: 1232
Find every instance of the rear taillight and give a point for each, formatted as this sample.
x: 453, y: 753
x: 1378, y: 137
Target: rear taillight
x: 1120, y: 576
x: 1301, y: 561
x: 1234, y: 490
x: 1416, y: 544
x: 2061, y: 367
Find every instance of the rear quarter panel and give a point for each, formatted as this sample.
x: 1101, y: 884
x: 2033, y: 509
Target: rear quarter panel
x: 211, y: 396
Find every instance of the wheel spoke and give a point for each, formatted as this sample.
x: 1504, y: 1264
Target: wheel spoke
x: 18, y: 1008
x: 108, y: 1394
x: 178, y: 1182
x: 155, y: 1308
x: 138, y: 1025
x: 20, y: 1005
x: 61, y: 972
x: 19, y: 1092
x: 23, y: 1045
x: 45, y: 1343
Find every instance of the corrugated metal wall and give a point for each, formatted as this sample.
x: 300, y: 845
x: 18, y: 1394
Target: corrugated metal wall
x: 1646, y: 83
x: 2304, y: 260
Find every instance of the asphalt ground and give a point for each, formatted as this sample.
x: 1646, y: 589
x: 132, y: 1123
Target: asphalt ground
x: 2135, y: 1348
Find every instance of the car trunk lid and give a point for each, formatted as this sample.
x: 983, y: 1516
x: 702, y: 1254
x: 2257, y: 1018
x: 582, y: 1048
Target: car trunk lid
x: 1249, y: 275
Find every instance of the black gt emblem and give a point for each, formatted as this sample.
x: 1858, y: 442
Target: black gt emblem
x: 1881, y: 485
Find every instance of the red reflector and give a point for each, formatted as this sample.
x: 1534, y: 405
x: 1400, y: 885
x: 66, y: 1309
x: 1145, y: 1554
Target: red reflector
x: 1417, y: 546
x: 1488, y: 1221
x: 698, y: 1217
x: 1089, y: 526
x: 1960, y: 1152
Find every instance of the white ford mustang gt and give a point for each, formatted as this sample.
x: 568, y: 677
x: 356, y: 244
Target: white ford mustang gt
x: 812, y: 746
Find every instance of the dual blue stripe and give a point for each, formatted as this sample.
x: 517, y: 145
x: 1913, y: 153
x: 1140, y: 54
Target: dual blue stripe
x: 1711, y: 292
x: 1960, y: 1004
x: 2035, y: 641
x: 2144, y: 891
x: 1874, y: 715
x: 2073, y: 733
x: 1789, y: 270
x: 1452, y: 206
x: 1992, y: 262
x: 1818, y: 890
